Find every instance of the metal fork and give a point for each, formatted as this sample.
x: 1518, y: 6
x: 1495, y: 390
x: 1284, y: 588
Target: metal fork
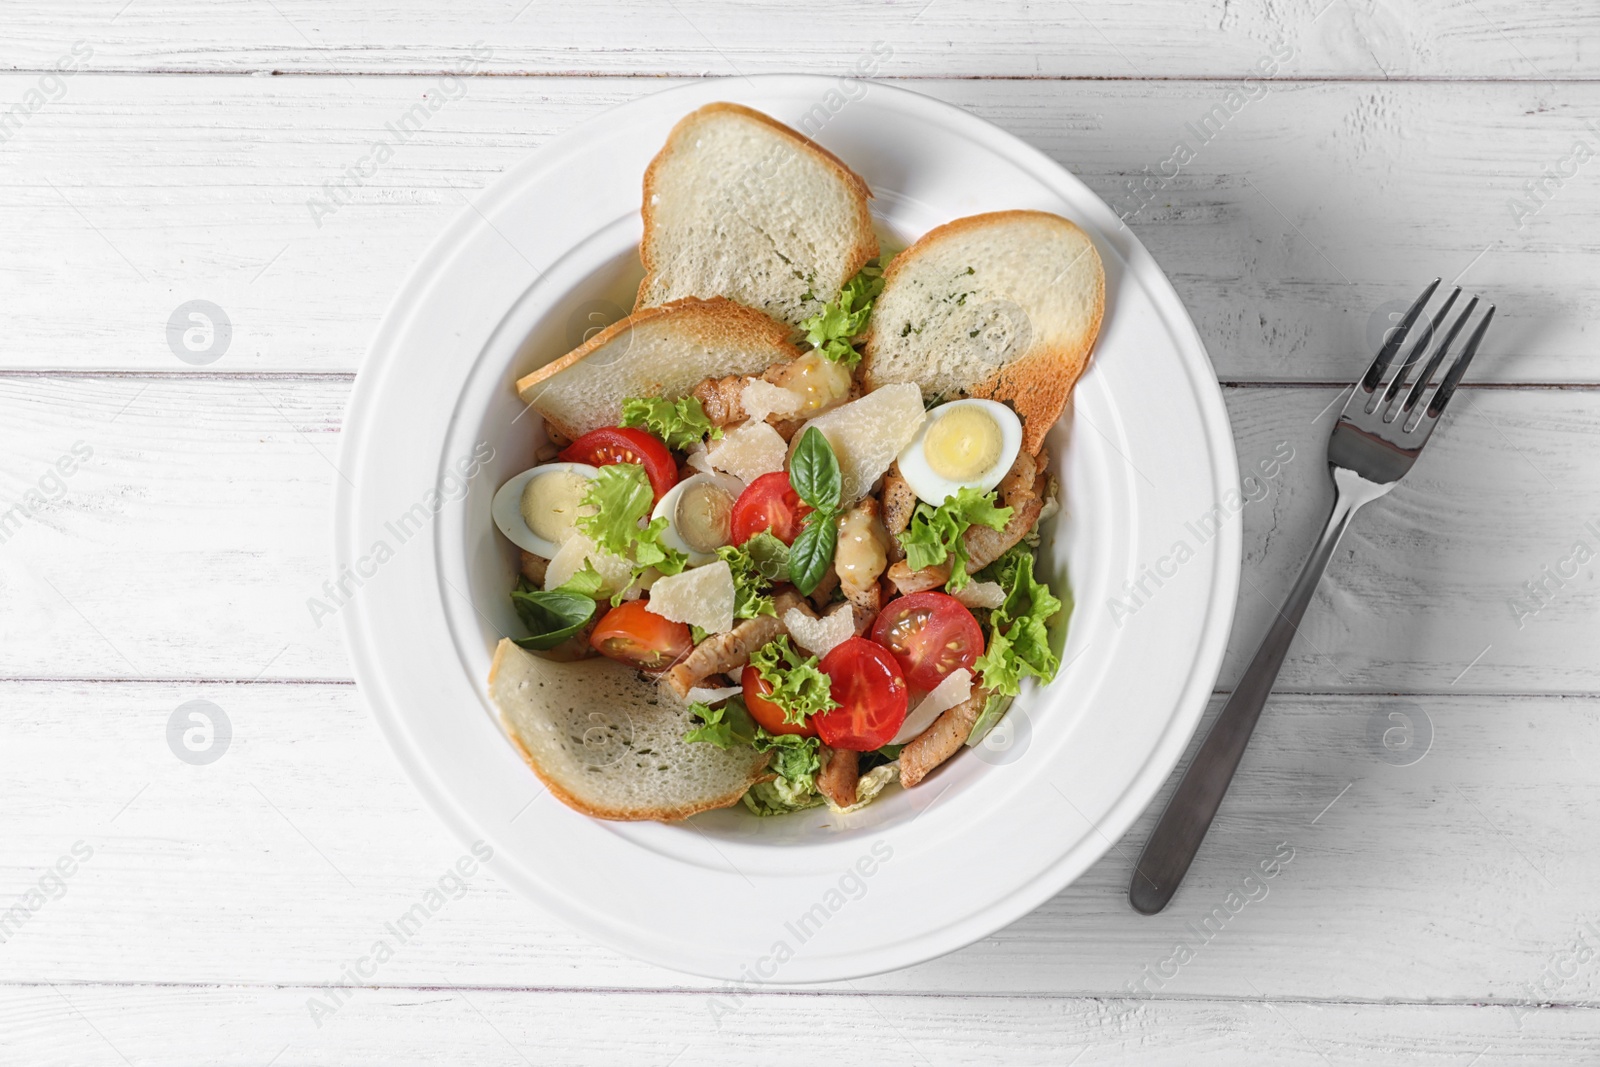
x: 1378, y: 437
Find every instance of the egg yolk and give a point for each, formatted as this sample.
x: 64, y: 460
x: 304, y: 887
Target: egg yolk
x: 550, y: 503
x: 963, y: 444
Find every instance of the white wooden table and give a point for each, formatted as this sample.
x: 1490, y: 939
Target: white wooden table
x: 1438, y: 910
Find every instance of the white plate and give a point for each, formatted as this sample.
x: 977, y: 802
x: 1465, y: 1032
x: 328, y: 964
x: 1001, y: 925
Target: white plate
x: 1146, y: 456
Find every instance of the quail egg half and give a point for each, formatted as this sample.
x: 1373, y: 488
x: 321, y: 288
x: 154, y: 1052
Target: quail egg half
x: 964, y: 443
x: 538, y: 508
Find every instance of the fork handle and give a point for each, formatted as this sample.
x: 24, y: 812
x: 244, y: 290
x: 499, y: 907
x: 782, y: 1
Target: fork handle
x: 1176, y: 839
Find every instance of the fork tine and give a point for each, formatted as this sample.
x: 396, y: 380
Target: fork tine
x: 1452, y: 378
x: 1439, y: 352
x: 1420, y: 345
x: 1370, y: 380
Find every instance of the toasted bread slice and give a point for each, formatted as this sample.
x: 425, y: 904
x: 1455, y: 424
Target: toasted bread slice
x: 661, y: 351
x: 1005, y: 306
x: 606, y: 742
x: 737, y: 204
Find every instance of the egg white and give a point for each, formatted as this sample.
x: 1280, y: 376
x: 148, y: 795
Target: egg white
x: 933, y: 487
x: 668, y: 506
x: 507, y: 507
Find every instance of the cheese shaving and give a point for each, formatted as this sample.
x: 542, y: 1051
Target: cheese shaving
x: 867, y: 434
x: 981, y: 595
x: 701, y: 596
x: 750, y: 451
x: 820, y: 636
x: 956, y: 687
x: 701, y: 695
x: 615, y: 571
x: 761, y: 398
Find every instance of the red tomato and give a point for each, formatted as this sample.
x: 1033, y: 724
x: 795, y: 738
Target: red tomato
x: 613, y: 444
x: 765, y: 711
x: 931, y: 634
x: 640, y: 638
x: 769, y: 502
x: 871, y: 693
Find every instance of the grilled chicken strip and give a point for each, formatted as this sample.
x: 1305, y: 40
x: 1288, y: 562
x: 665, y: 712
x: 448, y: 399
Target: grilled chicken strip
x: 941, y: 740
x: 899, y: 501
x: 984, y: 545
x: 533, y: 568
x: 723, y: 653
x: 859, y: 559
x: 841, y: 770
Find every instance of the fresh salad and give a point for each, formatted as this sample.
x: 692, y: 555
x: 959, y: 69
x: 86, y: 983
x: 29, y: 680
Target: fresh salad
x: 858, y: 625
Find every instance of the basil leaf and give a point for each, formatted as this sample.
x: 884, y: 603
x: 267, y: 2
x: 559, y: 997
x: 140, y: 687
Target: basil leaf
x: 814, y: 471
x: 552, y: 615
x: 812, y: 551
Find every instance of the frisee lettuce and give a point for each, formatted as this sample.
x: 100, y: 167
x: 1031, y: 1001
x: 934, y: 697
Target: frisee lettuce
x: 756, y: 565
x: 621, y: 497
x: 934, y: 534
x: 795, y: 760
x: 1019, y: 641
x: 799, y: 688
x: 830, y: 330
x: 679, y: 423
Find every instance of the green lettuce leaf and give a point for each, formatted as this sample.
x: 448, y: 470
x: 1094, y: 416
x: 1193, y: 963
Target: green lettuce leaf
x: 679, y: 423
x: 799, y: 688
x: 831, y: 330
x: 1019, y: 642
x: 934, y: 534
x: 725, y: 726
x: 621, y: 497
x: 795, y: 761
x: 756, y: 565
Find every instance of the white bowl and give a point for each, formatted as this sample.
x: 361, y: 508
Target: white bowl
x: 1146, y: 457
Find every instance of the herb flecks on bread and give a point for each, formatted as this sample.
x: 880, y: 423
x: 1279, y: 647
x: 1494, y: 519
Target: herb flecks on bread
x: 1004, y: 306
x: 739, y: 205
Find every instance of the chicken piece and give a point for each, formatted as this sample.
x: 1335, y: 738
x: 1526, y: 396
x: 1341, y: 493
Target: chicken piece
x: 723, y: 653
x: 899, y: 501
x: 1022, y: 490
x: 822, y: 595
x: 860, y: 558
x: 941, y: 740
x: 533, y: 568
x: 841, y: 770
x: 721, y: 398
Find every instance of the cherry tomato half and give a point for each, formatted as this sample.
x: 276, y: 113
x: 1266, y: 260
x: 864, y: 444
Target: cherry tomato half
x: 634, y: 635
x: 872, y: 696
x: 615, y: 444
x: 765, y: 711
x: 769, y: 502
x: 931, y: 634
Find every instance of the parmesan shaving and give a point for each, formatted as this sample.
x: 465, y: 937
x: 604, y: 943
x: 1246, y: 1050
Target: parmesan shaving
x: 869, y: 785
x: 761, y: 398
x: 749, y: 452
x: 615, y: 571
x: 701, y: 695
x: 981, y: 595
x: 867, y: 434
x: 700, y: 596
x: 820, y: 636
x: 956, y: 687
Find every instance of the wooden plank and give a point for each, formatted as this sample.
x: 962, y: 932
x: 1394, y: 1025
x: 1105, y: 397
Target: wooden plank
x: 248, y: 1027
x: 1292, y: 235
x: 188, y: 545
x: 1439, y: 872
x: 928, y: 38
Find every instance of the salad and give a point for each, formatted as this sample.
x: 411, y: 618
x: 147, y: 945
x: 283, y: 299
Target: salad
x: 858, y: 624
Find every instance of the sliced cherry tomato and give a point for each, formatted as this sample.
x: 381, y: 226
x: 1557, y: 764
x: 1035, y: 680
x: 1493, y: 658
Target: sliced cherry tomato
x: 931, y: 634
x: 872, y: 696
x: 634, y: 635
x: 614, y: 444
x: 768, y: 503
x: 765, y: 711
